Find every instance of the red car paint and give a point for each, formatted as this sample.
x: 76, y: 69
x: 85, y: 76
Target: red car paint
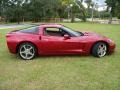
x: 54, y: 45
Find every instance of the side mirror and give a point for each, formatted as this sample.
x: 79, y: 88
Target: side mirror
x: 66, y: 36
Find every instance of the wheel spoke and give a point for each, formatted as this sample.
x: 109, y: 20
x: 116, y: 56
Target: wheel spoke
x: 101, y: 46
x: 27, y: 51
x: 31, y: 53
x: 102, y: 50
x: 30, y: 48
x: 22, y: 52
x: 24, y: 47
x: 26, y: 55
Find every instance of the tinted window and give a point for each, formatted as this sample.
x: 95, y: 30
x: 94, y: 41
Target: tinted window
x: 32, y: 30
x: 52, y: 31
x: 71, y: 32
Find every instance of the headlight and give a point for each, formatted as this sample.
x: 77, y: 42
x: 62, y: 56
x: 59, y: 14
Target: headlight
x: 110, y: 40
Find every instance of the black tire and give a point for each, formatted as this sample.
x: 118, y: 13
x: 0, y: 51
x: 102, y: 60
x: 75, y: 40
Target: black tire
x: 33, y: 51
x: 95, y: 49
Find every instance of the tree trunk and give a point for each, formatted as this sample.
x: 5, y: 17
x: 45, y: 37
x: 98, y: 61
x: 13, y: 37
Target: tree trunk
x: 72, y: 18
x: 84, y: 17
x: 110, y: 19
x: 18, y: 20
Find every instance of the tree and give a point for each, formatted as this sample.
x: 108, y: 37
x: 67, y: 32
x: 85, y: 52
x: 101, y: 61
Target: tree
x: 88, y: 2
x: 44, y: 9
x: 113, y: 6
x: 118, y: 9
x: 3, y: 6
x: 66, y: 2
x: 81, y: 9
x: 12, y: 10
x: 35, y: 10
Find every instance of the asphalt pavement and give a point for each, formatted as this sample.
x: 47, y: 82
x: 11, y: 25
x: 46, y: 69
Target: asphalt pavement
x: 6, y: 26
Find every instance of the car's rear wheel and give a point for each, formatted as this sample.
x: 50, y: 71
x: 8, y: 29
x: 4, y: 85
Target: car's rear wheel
x: 27, y: 51
x: 99, y: 49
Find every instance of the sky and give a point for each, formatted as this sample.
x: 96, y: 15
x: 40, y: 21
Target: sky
x: 101, y: 4
x: 100, y: 1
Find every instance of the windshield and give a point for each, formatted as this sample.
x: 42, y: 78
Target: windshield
x: 72, y: 33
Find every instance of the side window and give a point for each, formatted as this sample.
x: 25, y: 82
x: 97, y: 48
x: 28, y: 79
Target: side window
x: 32, y: 30
x: 52, y: 32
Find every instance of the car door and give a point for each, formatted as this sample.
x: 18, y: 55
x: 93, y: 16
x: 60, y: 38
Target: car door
x: 51, y: 44
x: 59, y: 45
x: 73, y: 45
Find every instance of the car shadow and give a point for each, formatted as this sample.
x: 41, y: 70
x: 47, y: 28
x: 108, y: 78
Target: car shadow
x: 63, y: 56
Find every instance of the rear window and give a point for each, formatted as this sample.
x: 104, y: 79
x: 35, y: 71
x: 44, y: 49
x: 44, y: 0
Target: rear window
x: 31, y: 30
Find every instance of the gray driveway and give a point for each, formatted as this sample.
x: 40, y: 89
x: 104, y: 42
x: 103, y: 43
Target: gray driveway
x: 5, y: 26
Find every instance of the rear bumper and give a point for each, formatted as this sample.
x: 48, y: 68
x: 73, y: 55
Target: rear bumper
x: 11, y: 47
x: 11, y: 44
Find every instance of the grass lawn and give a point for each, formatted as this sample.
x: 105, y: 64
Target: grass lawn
x: 62, y: 73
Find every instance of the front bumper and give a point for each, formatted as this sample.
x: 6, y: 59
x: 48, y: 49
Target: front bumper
x: 112, y: 47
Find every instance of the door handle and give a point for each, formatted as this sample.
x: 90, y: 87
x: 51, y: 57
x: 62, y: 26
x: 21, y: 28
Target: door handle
x: 39, y: 37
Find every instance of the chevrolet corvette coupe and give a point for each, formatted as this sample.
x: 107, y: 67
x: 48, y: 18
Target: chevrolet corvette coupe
x: 56, y: 39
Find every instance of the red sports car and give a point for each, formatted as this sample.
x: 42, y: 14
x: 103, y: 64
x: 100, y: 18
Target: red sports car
x: 55, y: 39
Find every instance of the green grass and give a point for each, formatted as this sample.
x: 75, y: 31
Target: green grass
x: 62, y: 73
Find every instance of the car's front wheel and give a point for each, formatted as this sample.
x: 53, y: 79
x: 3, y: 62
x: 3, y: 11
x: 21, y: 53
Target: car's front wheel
x: 27, y: 51
x: 99, y: 49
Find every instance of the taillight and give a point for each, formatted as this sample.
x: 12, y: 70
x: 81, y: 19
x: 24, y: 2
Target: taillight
x: 8, y: 35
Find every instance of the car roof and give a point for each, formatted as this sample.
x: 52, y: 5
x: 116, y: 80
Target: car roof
x: 51, y: 25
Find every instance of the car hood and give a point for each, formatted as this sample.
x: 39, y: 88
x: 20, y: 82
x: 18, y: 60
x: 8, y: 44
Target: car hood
x: 93, y: 34
x: 90, y: 34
